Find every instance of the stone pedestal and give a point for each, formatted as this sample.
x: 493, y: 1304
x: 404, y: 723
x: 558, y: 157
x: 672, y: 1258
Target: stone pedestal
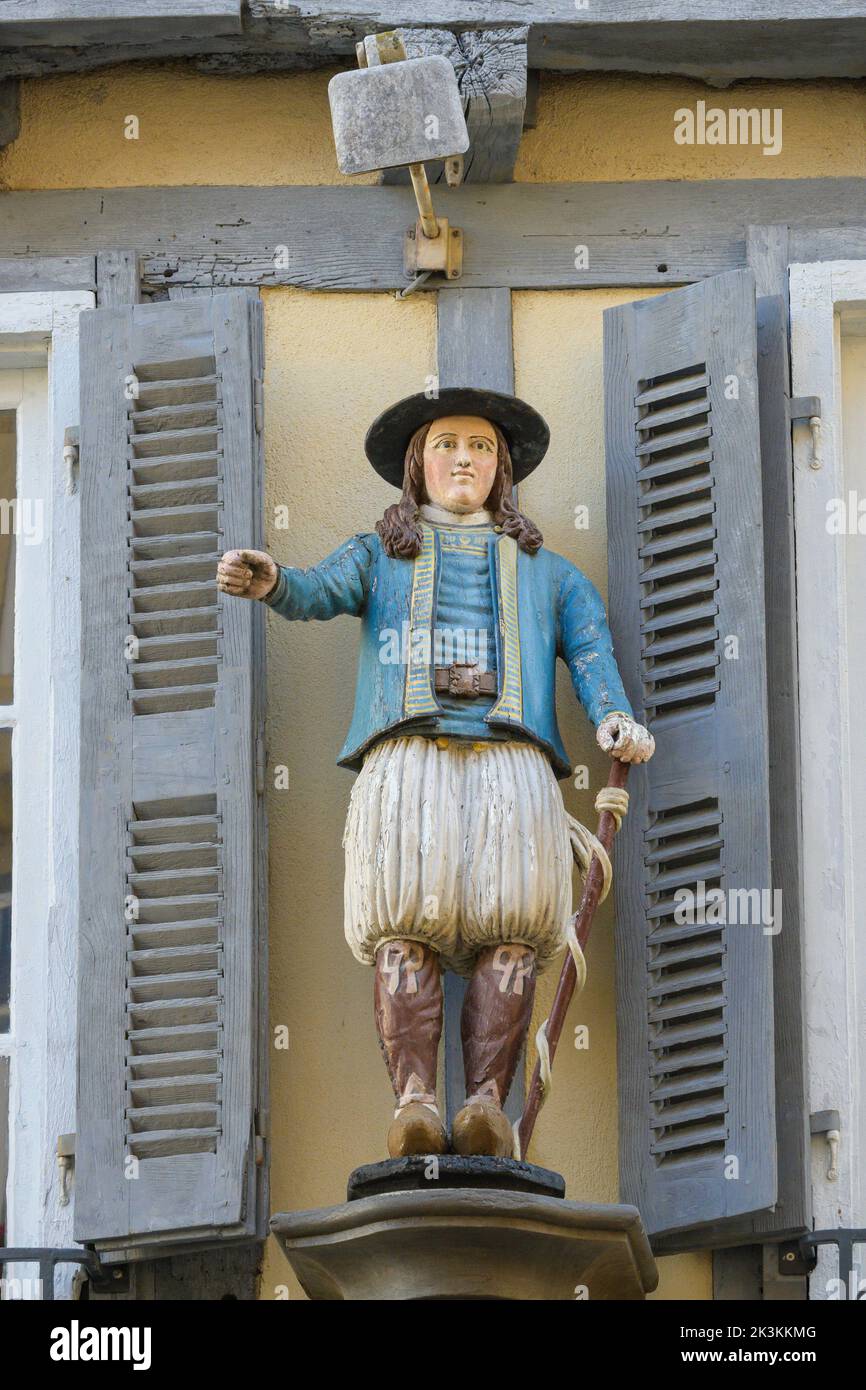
x: 425, y: 1228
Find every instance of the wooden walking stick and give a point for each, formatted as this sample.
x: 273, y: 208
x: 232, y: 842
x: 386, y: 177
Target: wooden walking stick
x: 582, y: 921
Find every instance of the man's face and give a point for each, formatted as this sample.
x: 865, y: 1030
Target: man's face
x: 460, y: 457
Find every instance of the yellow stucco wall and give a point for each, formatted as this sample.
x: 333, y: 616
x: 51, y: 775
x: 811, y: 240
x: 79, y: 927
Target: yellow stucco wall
x: 275, y: 128
x: 333, y: 361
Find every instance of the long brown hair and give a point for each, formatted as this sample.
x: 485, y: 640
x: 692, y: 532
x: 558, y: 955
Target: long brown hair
x: 399, y: 529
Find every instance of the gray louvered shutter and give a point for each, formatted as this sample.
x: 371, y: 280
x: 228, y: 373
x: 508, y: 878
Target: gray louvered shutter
x: 695, y: 1014
x: 172, y: 985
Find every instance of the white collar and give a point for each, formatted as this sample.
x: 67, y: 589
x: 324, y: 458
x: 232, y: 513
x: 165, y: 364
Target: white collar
x: 442, y: 517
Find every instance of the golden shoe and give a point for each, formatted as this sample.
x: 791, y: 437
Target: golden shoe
x: 416, y: 1129
x: 482, y: 1127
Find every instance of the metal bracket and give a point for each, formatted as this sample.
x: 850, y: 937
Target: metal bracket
x: 794, y: 1260
x: 431, y: 245
x: 262, y: 1132
x: 844, y: 1239
x: 806, y: 410
x: 71, y: 456
x: 828, y: 1122
x: 443, y: 252
x: 801, y: 408
x: 48, y: 1257
x: 65, y: 1161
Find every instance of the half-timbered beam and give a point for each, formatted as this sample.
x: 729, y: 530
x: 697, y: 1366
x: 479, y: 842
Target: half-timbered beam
x: 720, y: 41
x: 519, y: 235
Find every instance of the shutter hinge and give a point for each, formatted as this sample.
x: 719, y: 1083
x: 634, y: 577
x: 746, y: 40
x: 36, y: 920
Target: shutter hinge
x: 261, y: 764
x: 828, y: 1122
x: 262, y: 1132
x: 70, y: 456
x: 807, y: 410
x: 65, y: 1160
x: 259, y: 401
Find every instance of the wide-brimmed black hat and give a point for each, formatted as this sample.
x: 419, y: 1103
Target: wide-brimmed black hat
x: 526, y: 433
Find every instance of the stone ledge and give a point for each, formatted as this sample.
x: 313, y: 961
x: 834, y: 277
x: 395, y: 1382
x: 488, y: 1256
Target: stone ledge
x: 457, y: 1243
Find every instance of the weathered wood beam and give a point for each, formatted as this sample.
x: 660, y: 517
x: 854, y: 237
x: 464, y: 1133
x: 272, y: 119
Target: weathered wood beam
x: 491, y: 74
x: 58, y: 23
x: 767, y: 254
x: 39, y: 274
x: 721, y: 41
x: 10, y: 111
x: 519, y: 235
x: 118, y: 277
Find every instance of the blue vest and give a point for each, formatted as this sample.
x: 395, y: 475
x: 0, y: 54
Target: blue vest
x: 546, y: 609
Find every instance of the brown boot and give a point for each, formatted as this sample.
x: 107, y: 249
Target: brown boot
x: 496, y: 1014
x: 407, y: 996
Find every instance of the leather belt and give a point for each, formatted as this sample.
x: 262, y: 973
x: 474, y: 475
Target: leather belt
x: 464, y: 680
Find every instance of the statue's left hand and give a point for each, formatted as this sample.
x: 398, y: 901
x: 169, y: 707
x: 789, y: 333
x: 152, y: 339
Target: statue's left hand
x: 625, y: 739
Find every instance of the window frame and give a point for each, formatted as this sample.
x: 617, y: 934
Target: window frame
x: 821, y: 294
x: 40, y: 331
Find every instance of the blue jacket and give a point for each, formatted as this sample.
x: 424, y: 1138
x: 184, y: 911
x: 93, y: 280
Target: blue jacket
x: 547, y: 609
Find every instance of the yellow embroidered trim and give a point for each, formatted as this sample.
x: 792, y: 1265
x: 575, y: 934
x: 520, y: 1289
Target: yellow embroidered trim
x: 464, y: 549
x: 510, y: 703
x: 418, y: 696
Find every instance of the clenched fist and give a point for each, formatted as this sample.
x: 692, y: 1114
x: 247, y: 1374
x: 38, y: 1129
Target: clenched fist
x: 247, y: 573
x: 625, y: 739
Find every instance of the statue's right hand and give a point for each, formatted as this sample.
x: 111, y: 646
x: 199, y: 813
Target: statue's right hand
x: 247, y: 573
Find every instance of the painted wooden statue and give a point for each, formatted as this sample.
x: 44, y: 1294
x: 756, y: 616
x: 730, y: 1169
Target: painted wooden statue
x: 457, y: 842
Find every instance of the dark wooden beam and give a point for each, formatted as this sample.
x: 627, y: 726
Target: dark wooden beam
x: 10, y: 111
x: 491, y: 74
x: 520, y: 235
x: 720, y: 41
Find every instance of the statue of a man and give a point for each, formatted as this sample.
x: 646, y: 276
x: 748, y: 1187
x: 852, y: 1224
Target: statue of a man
x: 457, y: 842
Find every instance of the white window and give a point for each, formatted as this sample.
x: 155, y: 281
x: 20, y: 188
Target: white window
x: 828, y: 337
x: 39, y: 665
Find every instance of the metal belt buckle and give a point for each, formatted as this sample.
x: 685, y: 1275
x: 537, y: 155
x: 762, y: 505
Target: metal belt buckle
x: 464, y: 678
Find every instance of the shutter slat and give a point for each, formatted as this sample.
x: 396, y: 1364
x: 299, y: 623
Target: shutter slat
x: 177, y: 392
x: 684, y: 980
x: 191, y: 957
x: 685, y: 571
x: 684, y: 1060
x: 673, y: 413
x: 693, y: 536
x: 672, y: 516
x: 685, y: 636
x: 682, y: 1114
x: 678, y: 386
x: 174, y: 1142
x: 661, y: 958
x: 669, y: 492
x: 171, y: 1061
x: 166, y: 622
x: 678, y: 464
x: 660, y: 670
x: 672, y: 439
x: 171, y: 1066
x: 689, y: 588
x: 199, y: 931
x: 696, y: 1138
x: 171, y: 547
